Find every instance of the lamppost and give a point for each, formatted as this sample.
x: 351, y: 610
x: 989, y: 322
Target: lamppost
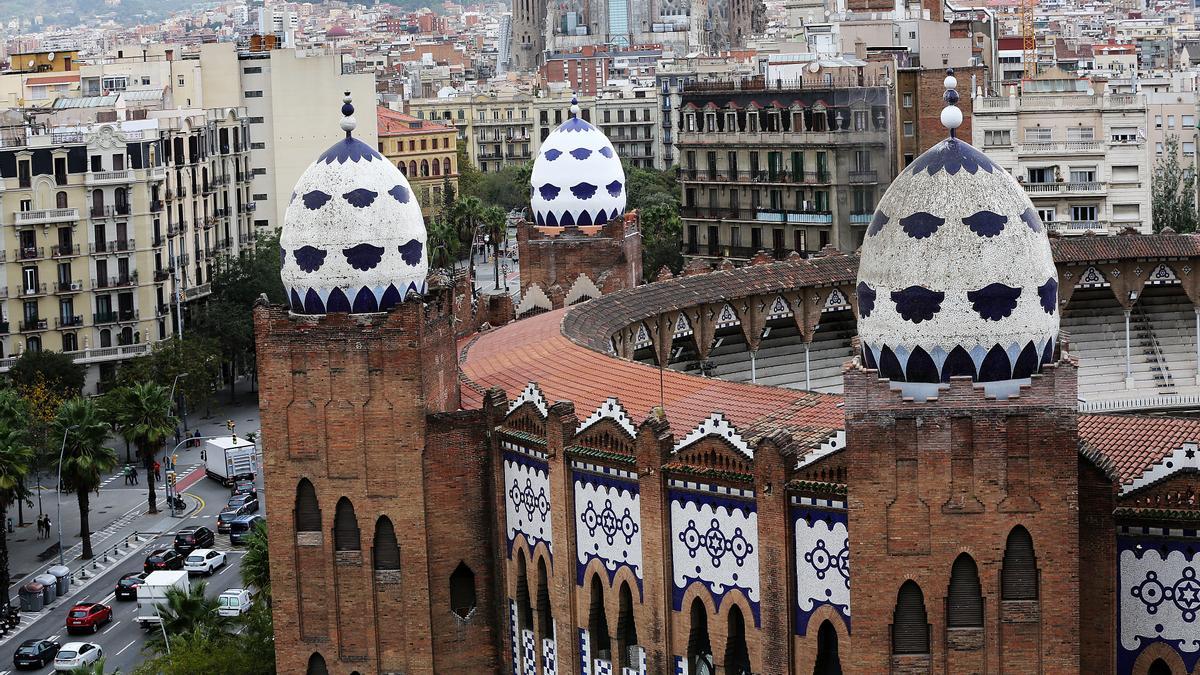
x: 58, y: 512
x: 179, y: 404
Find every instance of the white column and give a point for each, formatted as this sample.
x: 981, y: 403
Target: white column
x: 753, y: 368
x: 807, y: 373
x: 1128, y: 367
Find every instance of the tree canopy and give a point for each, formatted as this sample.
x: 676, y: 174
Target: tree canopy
x: 55, y: 370
x: 1173, y: 191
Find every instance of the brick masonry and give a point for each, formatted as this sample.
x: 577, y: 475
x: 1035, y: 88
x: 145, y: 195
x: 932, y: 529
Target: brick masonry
x: 552, y: 259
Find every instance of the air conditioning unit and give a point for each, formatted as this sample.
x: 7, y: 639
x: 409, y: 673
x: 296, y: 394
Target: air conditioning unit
x: 76, y: 285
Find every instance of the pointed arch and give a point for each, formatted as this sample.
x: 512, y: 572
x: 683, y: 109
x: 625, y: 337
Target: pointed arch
x: 910, y: 623
x: 385, y: 551
x: 699, y: 647
x: 1018, y: 575
x: 1159, y: 667
x: 345, y: 527
x: 737, y: 653
x: 462, y: 590
x: 964, y: 602
x: 626, y: 625
x: 598, y: 622
x: 524, y: 606
x: 828, y: 662
x: 307, y: 513
x: 545, y: 613
x: 316, y: 665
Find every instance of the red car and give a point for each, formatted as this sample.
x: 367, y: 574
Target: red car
x: 88, y: 616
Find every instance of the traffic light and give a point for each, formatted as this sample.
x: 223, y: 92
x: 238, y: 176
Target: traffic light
x: 171, y: 478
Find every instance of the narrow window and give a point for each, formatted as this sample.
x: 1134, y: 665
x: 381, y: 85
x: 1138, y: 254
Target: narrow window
x: 828, y: 662
x: 700, y: 660
x: 316, y: 665
x: 462, y: 591
x: 910, y: 625
x: 345, y: 527
x: 598, y: 622
x: 524, y: 607
x: 1018, y: 576
x: 544, y: 612
x: 308, y: 515
x: 385, y: 551
x: 1159, y: 667
x: 737, y: 655
x: 965, y: 603
x: 626, y: 626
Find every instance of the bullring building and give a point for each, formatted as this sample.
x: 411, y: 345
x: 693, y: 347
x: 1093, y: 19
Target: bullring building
x: 562, y: 495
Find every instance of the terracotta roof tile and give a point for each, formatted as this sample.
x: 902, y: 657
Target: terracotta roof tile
x: 1127, y: 445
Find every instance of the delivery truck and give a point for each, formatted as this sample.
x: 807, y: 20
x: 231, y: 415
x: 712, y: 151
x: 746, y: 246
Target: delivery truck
x: 228, y: 457
x: 152, y: 594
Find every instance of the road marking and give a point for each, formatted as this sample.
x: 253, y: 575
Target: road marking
x: 114, y: 624
x: 125, y: 647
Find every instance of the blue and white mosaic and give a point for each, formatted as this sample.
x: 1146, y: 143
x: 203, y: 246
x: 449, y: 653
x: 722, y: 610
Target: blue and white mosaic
x: 607, y: 524
x: 528, y: 654
x: 585, y: 652
x: 714, y: 540
x: 577, y: 179
x: 1158, y: 598
x: 527, y: 500
x: 549, y: 657
x: 822, y: 564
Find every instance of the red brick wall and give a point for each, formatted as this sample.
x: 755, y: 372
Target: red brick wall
x: 1097, y: 571
x: 611, y: 258
x: 1022, y: 471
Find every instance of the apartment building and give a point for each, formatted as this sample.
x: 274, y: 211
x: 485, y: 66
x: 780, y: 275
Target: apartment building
x: 672, y: 74
x: 631, y: 118
x: 113, y: 212
x: 425, y: 151
x: 791, y: 168
x: 1082, y: 156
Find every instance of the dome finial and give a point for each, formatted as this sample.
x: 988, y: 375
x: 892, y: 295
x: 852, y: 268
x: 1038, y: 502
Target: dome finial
x: 951, y: 116
x: 348, y: 121
x: 574, y: 105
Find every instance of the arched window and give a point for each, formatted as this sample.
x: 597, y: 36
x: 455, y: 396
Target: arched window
x: 345, y: 527
x: 828, y: 661
x: 1159, y: 667
x: 446, y: 166
x: 412, y: 168
x: 598, y: 622
x: 437, y: 168
x: 524, y: 606
x: 626, y: 625
x: 98, y: 202
x: 964, y: 606
x: 424, y: 167
x: 308, y: 514
x: 462, y: 590
x: 737, y: 655
x: 385, y: 551
x: 120, y: 198
x: 545, y: 613
x: 105, y: 338
x: 700, y: 660
x: 60, y: 200
x: 403, y: 168
x: 70, y: 342
x: 1018, y: 576
x: 316, y: 665
x: 910, y: 625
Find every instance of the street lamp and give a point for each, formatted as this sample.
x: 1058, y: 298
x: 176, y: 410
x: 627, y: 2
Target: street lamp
x: 179, y: 406
x: 58, y: 512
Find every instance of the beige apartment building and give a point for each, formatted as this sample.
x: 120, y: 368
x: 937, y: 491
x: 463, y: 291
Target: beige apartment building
x: 1083, y: 157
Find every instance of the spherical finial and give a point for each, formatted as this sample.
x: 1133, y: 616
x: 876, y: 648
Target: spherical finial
x: 574, y: 106
x: 348, y: 122
x: 951, y: 116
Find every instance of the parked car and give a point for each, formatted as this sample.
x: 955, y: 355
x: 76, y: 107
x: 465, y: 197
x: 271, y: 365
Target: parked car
x: 35, y: 654
x: 163, y: 559
x: 88, y: 617
x: 77, y: 655
x: 247, y: 500
x: 128, y: 584
x: 242, y: 526
x: 191, y: 538
x: 231, y: 513
x: 234, y: 602
x: 244, y: 485
x: 203, y: 561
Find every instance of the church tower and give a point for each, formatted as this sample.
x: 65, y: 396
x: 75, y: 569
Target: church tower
x: 961, y: 430
x: 374, y: 494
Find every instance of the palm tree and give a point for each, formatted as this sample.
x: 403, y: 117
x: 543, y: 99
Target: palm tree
x: 95, y: 668
x: 16, y: 458
x: 466, y: 215
x: 85, y: 458
x: 146, y: 418
x: 443, y: 246
x: 111, y: 404
x: 256, y: 563
x: 188, y: 611
x: 495, y: 224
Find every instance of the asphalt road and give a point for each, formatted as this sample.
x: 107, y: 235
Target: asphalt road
x: 122, y: 639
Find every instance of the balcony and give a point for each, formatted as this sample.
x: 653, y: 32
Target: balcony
x: 68, y: 321
x: 116, y: 282
x: 121, y: 245
x: 98, y: 247
x: 30, y: 290
x: 162, y: 310
x: 865, y: 176
x: 68, y: 286
x: 197, y: 291
x: 156, y: 205
x: 1063, y: 148
x: 181, y: 191
x: 45, y: 217
x: 156, y: 172
x: 127, y: 315
x: 29, y: 253
x: 781, y: 139
x: 33, y: 324
x: 94, y: 178
x: 1042, y: 102
x: 1080, y: 226
x: 861, y: 218
x: 788, y: 216
x: 122, y: 209
x: 170, y: 194
x: 100, y: 212
x: 161, y: 275
x: 64, y: 250
x: 780, y: 177
x: 104, y: 317
x: 250, y: 206
x: 1095, y: 188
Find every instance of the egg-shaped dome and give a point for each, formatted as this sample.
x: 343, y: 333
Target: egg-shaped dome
x: 577, y: 178
x: 353, y: 239
x: 956, y: 276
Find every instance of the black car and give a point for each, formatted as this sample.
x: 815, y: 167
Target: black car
x: 191, y: 538
x: 247, y: 501
x: 163, y: 559
x: 128, y: 584
x: 224, y: 518
x: 35, y: 654
x: 241, y: 527
x: 244, y: 485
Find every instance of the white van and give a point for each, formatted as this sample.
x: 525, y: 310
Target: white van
x: 234, y: 602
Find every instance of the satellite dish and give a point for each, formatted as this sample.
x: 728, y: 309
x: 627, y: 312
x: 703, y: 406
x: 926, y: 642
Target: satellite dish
x: 814, y: 67
x: 31, y: 63
x: 50, y: 56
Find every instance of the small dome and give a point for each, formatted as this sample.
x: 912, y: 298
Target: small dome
x: 956, y: 276
x: 353, y: 239
x: 577, y: 178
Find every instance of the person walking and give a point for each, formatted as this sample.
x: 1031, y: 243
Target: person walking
x: 133, y: 476
x: 157, y: 471
x: 39, y: 524
x: 47, y: 525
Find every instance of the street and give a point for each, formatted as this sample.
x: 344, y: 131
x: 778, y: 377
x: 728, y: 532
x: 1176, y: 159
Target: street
x: 123, y: 534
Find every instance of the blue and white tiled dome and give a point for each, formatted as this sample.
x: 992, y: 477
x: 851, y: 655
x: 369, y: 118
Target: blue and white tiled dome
x: 956, y: 276
x: 577, y: 178
x: 353, y: 239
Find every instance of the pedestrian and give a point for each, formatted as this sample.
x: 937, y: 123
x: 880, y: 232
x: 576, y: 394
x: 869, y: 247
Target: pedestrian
x: 133, y: 474
x: 176, y: 435
x: 39, y: 524
x: 46, y: 525
x: 157, y: 471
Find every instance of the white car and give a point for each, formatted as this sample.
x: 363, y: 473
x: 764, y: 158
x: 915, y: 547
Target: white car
x: 234, y: 602
x: 203, y: 561
x: 76, y: 655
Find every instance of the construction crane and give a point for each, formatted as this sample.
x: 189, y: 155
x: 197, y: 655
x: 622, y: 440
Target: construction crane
x: 1029, y: 56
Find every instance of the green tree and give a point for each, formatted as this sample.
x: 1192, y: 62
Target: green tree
x: 507, y: 188
x: 195, y: 360
x: 145, y: 417
x: 443, y: 244
x: 58, y: 371
x: 466, y: 215
x: 661, y: 240
x: 188, y: 609
x: 448, y: 197
x: 469, y: 175
x: 256, y: 563
x: 495, y: 226
x: 205, y: 650
x: 85, y: 458
x: 649, y: 187
x: 94, y: 668
x: 1173, y: 191
x: 16, y: 460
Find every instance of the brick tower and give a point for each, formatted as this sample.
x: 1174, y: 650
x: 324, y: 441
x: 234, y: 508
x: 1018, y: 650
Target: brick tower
x: 375, y: 499
x: 961, y: 431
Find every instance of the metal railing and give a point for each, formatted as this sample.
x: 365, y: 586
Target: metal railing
x: 33, y: 324
x: 29, y: 253
x: 29, y: 290
x: 45, y: 216
x: 62, y: 250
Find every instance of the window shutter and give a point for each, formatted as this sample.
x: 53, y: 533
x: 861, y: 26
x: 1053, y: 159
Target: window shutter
x: 387, y: 551
x: 345, y: 527
x: 308, y: 515
x: 965, y: 604
x: 910, y: 626
x: 1018, y: 578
